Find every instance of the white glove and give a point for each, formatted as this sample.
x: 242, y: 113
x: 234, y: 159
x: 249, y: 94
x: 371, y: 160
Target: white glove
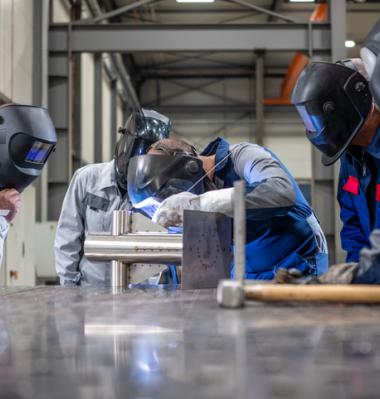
x: 170, y: 212
x: 217, y: 201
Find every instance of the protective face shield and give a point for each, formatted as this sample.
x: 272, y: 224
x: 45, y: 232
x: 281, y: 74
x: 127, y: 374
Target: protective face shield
x: 156, y: 177
x: 142, y: 129
x: 333, y: 102
x: 27, y: 138
x: 370, y: 54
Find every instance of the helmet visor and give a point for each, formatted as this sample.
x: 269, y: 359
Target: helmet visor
x: 160, y: 176
x: 332, y: 125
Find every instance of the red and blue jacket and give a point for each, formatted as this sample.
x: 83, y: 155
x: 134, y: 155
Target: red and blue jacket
x: 359, y: 199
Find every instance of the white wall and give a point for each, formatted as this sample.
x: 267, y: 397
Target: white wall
x: 60, y: 11
x: 87, y: 107
x: 106, y: 119
x: 16, y: 41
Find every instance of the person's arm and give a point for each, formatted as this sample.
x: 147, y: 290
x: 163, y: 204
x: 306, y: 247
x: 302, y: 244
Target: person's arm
x: 270, y: 190
x: 4, y: 227
x: 10, y: 203
x: 352, y: 236
x: 70, y: 234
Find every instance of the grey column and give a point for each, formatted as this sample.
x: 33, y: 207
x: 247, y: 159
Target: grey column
x: 98, y: 109
x: 113, y: 125
x: 338, y: 16
x: 259, y: 131
x: 40, y: 89
x: 324, y: 179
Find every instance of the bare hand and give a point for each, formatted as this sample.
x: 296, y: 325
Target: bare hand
x: 10, y: 199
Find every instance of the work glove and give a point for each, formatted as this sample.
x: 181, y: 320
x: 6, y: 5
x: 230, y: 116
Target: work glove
x: 342, y: 273
x: 170, y: 212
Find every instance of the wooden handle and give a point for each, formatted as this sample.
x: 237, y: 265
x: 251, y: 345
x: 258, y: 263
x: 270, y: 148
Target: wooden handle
x: 314, y: 293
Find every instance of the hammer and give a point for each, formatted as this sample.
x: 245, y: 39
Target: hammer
x: 232, y: 293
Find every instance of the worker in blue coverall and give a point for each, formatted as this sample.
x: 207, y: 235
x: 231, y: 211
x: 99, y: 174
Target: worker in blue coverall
x: 282, y: 230
x: 343, y: 122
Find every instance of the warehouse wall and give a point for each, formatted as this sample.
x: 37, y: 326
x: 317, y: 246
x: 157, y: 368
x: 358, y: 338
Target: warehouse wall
x: 16, y: 41
x: 283, y: 130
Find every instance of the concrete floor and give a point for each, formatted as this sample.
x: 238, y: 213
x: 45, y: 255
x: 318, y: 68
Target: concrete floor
x: 156, y: 343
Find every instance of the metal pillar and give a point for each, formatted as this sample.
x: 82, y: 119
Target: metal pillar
x: 325, y: 179
x: 239, y: 229
x: 98, y: 108
x: 259, y: 82
x: 40, y: 61
x: 120, y: 225
x: 338, y: 18
x: 113, y: 125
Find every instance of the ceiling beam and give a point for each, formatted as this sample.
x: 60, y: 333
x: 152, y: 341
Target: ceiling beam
x: 155, y: 38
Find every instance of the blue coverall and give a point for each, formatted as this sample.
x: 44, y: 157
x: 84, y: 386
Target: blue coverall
x: 282, y: 231
x: 359, y: 199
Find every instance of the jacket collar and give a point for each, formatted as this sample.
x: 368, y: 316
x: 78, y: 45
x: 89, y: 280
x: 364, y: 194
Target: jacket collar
x: 220, y: 148
x: 107, y: 177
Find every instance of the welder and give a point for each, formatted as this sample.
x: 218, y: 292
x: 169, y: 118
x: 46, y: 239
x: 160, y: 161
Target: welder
x: 282, y: 230
x: 96, y: 191
x: 27, y: 138
x: 343, y: 122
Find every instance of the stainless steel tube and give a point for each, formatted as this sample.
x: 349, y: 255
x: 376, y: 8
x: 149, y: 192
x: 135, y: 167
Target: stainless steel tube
x: 135, y: 248
x: 120, y: 223
x: 239, y: 229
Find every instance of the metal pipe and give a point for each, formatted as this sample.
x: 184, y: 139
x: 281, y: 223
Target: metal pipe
x: 117, y: 66
x: 120, y: 225
x: 239, y: 229
x: 262, y: 10
x: 135, y: 248
x: 118, y: 11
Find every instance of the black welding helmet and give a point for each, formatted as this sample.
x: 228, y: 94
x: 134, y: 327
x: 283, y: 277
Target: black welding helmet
x: 333, y: 101
x: 141, y: 130
x: 160, y: 176
x: 370, y: 53
x: 27, y: 138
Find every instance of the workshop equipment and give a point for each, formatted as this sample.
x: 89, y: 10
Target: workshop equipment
x: 135, y: 249
x: 232, y: 294
x: 137, y: 252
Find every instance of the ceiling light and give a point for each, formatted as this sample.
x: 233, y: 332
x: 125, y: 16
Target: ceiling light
x: 195, y: 1
x: 349, y: 43
x: 301, y: 1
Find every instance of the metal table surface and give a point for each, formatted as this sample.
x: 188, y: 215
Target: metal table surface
x: 160, y: 343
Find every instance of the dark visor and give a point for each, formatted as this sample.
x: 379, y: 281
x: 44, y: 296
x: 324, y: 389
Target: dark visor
x: 39, y: 152
x: 331, y: 131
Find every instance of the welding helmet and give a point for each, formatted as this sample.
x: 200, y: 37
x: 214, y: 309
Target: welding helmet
x: 333, y: 101
x: 27, y: 138
x: 370, y: 53
x: 142, y: 129
x: 161, y: 176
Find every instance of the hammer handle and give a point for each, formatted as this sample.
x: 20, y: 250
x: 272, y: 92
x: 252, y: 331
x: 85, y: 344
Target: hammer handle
x: 314, y: 293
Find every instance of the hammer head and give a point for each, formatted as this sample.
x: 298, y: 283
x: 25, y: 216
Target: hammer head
x: 230, y: 294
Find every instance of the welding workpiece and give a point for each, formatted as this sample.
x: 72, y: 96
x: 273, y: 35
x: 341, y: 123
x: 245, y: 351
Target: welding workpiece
x: 139, y: 249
